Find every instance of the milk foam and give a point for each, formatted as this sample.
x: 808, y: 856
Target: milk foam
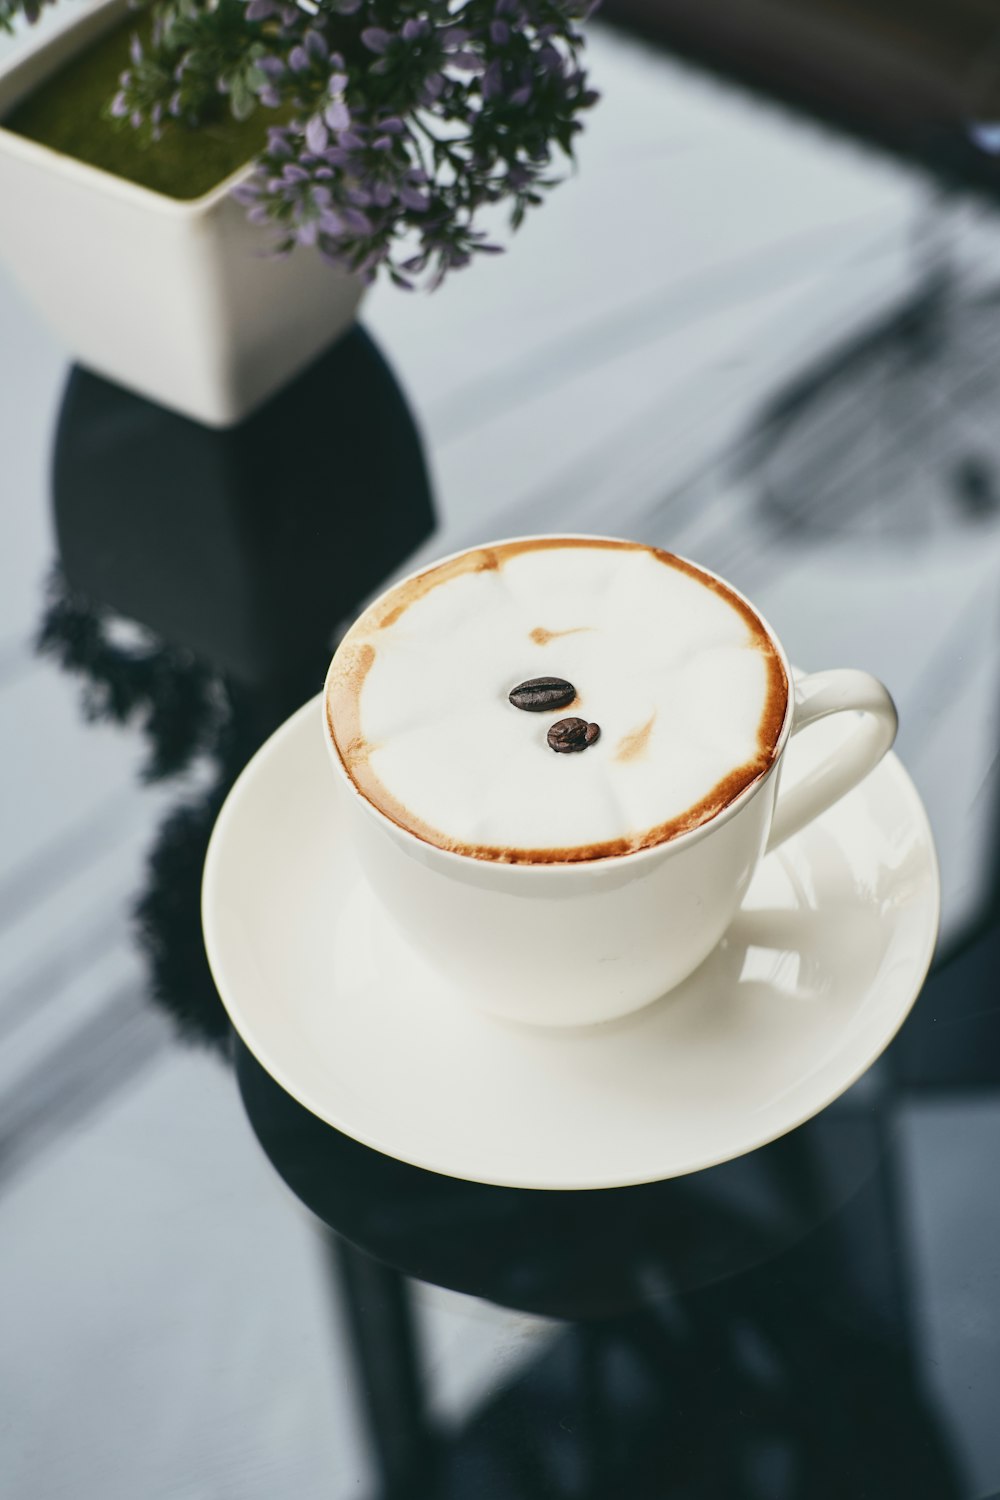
x: 681, y: 677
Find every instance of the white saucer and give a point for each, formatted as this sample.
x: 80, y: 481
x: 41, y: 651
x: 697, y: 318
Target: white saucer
x: 811, y: 983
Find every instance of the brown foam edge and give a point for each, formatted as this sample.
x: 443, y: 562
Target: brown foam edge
x: 354, y: 660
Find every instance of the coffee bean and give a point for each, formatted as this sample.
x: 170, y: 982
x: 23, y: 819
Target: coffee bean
x: 572, y: 734
x: 541, y: 693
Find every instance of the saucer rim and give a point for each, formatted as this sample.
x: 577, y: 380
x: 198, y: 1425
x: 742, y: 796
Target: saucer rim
x: 232, y: 808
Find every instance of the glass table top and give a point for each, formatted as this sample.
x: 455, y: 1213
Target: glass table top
x: 730, y: 334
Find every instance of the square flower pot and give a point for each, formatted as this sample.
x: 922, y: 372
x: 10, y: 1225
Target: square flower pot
x: 178, y: 300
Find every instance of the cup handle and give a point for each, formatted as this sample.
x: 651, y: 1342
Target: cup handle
x: 816, y: 696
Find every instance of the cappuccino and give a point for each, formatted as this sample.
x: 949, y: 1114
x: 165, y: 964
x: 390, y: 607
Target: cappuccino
x: 556, y: 699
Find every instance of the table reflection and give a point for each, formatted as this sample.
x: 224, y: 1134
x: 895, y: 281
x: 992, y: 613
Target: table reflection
x: 741, y: 1332
x: 201, y: 580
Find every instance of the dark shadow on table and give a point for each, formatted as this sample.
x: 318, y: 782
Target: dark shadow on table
x: 202, y: 579
x: 743, y: 1332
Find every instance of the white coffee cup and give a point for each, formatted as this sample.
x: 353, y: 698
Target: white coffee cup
x: 564, y: 944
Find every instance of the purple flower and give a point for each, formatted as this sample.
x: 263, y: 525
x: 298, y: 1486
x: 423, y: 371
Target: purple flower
x: 493, y: 80
x: 413, y: 197
x: 317, y: 134
x: 337, y: 115
x: 347, y: 176
x: 278, y: 143
x: 356, y: 220
x: 135, y: 50
x: 119, y: 106
x: 376, y: 39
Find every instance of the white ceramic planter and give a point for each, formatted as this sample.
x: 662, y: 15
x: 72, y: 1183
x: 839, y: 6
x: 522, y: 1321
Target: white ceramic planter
x: 179, y: 301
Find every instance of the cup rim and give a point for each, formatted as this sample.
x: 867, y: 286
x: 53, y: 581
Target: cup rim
x: 601, y: 862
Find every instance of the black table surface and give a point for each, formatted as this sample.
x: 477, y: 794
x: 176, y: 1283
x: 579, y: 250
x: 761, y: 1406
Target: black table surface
x: 206, y: 1292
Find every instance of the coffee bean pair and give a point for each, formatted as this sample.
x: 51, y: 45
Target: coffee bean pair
x: 543, y: 695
